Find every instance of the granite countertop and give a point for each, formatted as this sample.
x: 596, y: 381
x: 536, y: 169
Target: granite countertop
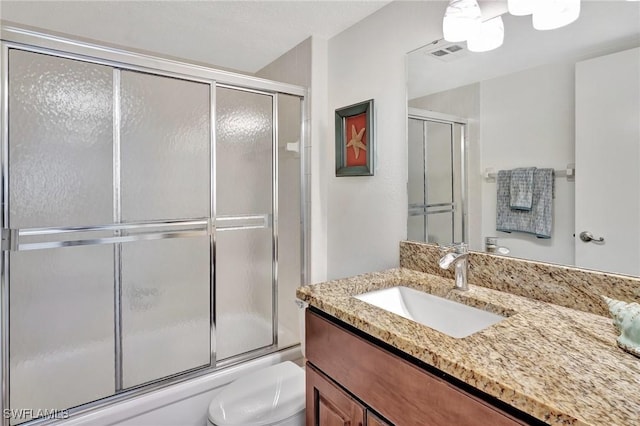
x: 557, y: 364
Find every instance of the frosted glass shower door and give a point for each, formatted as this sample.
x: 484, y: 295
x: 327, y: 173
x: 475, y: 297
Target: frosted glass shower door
x: 60, y: 141
x: 142, y: 223
x: 109, y: 208
x: 165, y: 176
x: 165, y: 148
x: 244, y: 238
x: 439, y: 182
x: 60, y: 174
x: 417, y: 220
x: 165, y: 308
x: 435, y: 185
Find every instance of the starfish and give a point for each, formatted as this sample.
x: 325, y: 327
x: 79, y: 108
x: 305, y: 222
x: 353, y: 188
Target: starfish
x: 356, y: 141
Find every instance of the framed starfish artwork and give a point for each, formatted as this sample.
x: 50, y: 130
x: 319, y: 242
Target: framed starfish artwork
x: 354, y: 140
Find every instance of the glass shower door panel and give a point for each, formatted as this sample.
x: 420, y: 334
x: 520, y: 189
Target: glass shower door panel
x: 244, y: 292
x: 415, y: 228
x: 165, y: 148
x: 244, y: 151
x: 244, y: 256
x: 440, y: 228
x: 416, y: 182
x: 61, y: 327
x: 60, y: 141
x: 458, y: 184
x: 166, y: 299
x: 289, y: 219
x: 439, y: 167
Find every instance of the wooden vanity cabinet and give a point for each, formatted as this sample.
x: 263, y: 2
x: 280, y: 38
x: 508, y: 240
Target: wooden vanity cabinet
x: 372, y: 420
x: 333, y: 406
x: 351, y: 380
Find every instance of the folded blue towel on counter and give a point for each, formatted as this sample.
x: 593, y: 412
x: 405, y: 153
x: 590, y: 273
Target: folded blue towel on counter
x: 521, y: 188
x: 539, y: 219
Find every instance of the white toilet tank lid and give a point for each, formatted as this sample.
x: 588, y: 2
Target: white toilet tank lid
x: 260, y: 398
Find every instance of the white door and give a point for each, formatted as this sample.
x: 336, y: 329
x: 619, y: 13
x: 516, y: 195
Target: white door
x: 608, y: 162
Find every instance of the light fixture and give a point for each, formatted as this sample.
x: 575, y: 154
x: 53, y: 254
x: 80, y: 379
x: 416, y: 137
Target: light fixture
x: 461, y: 20
x: 489, y: 37
x: 521, y: 7
x: 552, y: 14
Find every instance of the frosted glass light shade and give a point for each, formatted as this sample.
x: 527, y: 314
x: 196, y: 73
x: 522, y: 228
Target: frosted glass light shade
x: 489, y: 37
x: 461, y: 20
x: 521, y: 7
x: 552, y: 14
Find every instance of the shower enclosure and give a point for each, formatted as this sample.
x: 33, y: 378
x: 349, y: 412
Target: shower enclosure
x: 152, y: 228
x: 436, y: 181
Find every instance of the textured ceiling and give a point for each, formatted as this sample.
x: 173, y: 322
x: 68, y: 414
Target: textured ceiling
x: 240, y: 35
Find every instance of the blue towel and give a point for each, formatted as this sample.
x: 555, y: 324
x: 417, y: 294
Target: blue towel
x: 521, y: 188
x: 539, y: 219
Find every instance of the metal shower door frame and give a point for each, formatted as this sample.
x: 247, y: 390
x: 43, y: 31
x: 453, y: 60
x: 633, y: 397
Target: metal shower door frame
x: 118, y: 59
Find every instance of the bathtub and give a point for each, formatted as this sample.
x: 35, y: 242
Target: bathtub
x: 181, y: 404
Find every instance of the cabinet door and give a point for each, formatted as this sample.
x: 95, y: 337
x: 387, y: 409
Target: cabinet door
x: 328, y: 405
x: 373, y: 420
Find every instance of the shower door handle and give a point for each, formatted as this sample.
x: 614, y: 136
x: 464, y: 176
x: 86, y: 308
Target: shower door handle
x: 587, y: 236
x: 9, y: 239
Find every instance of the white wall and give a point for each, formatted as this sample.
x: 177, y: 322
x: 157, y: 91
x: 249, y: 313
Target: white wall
x: 367, y: 216
x: 293, y: 67
x: 320, y: 127
x: 528, y: 120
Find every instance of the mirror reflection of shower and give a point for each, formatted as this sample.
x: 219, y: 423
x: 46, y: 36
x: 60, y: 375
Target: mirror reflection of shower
x: 436, y: 158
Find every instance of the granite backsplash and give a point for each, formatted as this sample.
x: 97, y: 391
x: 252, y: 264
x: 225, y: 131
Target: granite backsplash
x: 571, y: 287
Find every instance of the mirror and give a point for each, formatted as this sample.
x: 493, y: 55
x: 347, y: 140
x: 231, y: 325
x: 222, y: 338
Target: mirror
x: 566, y: 99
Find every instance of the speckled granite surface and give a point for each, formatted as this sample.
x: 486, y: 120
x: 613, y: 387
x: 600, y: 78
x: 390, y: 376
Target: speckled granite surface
x: 565, y: 286
x: 560, y: 365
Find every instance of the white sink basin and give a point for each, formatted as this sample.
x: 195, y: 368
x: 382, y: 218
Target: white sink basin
x: 448, y: 317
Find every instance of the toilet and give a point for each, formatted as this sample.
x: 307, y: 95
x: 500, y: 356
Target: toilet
x: 271, y: 396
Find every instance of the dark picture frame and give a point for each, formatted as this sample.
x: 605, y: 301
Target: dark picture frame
x: 355, y: 139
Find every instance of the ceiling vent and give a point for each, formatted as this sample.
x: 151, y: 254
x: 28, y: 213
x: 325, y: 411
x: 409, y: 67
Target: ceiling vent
x: 446, y: 51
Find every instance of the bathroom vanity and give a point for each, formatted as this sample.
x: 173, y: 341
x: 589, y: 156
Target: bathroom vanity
x: 351, y: 378
x: 543, y: 364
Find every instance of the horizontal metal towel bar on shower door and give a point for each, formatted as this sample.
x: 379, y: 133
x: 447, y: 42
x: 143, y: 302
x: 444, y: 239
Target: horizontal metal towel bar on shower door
x: 426, y: 209
x: 27, y: 239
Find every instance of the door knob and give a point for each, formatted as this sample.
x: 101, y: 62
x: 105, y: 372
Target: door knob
x: 587, y: 236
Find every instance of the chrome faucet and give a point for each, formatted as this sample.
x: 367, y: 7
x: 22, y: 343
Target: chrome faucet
x: 460, y: 257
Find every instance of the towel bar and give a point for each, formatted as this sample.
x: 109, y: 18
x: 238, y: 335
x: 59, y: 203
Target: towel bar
x: 570, y: 171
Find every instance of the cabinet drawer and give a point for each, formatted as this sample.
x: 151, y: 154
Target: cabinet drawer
x: 400, y: 391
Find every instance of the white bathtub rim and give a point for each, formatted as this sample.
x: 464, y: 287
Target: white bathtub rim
x: 118, y: 412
